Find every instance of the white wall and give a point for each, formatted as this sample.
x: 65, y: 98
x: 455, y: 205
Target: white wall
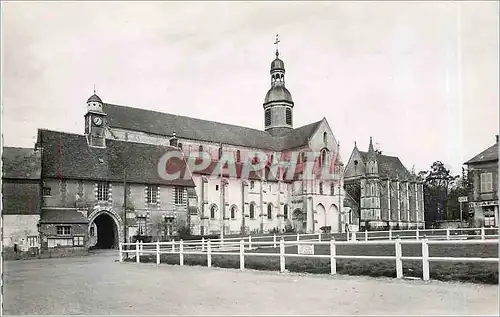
x: 16, y: 229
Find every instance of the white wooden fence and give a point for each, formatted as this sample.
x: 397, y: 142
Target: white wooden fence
x: 207, y: 248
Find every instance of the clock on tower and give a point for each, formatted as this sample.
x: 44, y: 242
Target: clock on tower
x: 95, y: 122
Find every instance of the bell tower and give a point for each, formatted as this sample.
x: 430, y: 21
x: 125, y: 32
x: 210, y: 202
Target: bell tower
x: 278, y: 103
x: 95, y: 122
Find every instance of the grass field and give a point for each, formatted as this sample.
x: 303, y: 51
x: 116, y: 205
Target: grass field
x: 445, y: 271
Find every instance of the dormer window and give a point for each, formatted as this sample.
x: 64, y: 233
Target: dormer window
x: 325, y: 138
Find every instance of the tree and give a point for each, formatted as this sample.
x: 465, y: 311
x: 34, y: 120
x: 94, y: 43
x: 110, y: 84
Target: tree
x: 438, y: 184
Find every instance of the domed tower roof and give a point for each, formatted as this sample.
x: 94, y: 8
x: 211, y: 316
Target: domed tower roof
x: 278, y: 93
x: 277, y: 64
x: 94, y: 98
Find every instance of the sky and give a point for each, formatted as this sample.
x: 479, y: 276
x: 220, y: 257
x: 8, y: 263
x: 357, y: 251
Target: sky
x: 421, y: 78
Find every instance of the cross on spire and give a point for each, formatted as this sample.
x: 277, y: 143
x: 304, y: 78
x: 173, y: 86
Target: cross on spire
x: 276, y: 42
x: 94, y: 89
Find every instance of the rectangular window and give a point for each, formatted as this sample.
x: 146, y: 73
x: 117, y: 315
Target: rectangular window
x: 152, y: 194
x: 489, y: 221
x: 46, y: 191
x: 33, y: 241
x: 77, y: 241
x: 268, y: 117
x: 289, y: 116
x: 252, y: 184
x: 63, y: 230
x: 102, y: 191
x: 486, y: 182
x: 52, y: 243
x: 141, y: 225
x: 179, y: 196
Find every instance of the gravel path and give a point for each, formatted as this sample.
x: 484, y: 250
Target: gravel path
x: 98, y: 285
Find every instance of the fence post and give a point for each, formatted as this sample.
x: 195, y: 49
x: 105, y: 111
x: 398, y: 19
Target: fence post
x: 202, y: 244
x: 221, y: 244
x: 319, y: 237
x: 482, y: 233
x: 417, y: 233
x: 354, y: 236
x: 282, y: 255
x: 137, y: 257
x: 390, y: 234
x: 181, y: 252
x: 298, y: 236
x: 157, y: 252
x: 209, y: 253
x: 141, y: 248
x: 366, y: 235
x: 242, y: 255
x: 173, y: 245
x: 447, y: 233
x: 425, y: 260
x: 249, y: 242
x: 399, y: 262
x: 121, y: 250
x: 274, y: 240
x: 333, y: 260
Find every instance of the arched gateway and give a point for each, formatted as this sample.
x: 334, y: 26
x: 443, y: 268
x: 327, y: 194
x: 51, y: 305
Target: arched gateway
x: 105, y: 229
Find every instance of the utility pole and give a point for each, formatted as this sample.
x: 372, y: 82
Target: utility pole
x: 125, y: 208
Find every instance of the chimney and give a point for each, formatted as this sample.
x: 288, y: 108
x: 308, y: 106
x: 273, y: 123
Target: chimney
x: 173, y: 140
x: 497, y: 138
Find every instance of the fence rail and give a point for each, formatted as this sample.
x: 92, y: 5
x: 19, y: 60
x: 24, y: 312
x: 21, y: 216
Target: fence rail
x: 207, y: 248
x: 430, y: 234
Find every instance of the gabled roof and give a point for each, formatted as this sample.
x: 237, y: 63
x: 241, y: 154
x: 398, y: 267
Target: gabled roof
x: 62, y: 216
x: 490, y: 154
x: 166, y: 124
x: 298, y: 137
x: 388, y: 166
x: 68, y: 156
x: 21, y: 163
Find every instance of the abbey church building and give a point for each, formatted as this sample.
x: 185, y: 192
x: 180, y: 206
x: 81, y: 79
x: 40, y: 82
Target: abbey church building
x: 87, y: 181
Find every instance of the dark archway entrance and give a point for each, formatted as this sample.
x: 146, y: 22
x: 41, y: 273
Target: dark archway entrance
x: 107, y: 236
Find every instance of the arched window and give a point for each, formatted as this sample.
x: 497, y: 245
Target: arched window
x: 325, y: 138
x: 233, y: 212
x: 285, y: 212
x: 213, y: 211
x: 332, y: 188
x: 269, y: 211
x: 200, y: 151
x: 179, y: 145
x: 252, y: 211
x: 268, y: 118
x: 288, y: 116
x: 321, y: 188
x: 220, y: 152
x: 323, y: 157
x: 238, y: 156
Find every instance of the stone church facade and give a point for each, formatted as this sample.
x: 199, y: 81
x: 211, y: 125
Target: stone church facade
x: 231, y: 205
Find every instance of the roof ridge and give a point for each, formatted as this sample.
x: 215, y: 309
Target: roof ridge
x: 187, y: 117
x: 116, y: 140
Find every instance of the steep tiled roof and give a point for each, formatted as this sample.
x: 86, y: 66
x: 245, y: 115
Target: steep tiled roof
x: 62, y: 216
x: 197, y: 129
x: 21, y: 163
x: 20, y: 197
x: 298, y: 137
x: 389, y: 166
x: 67, y: 155
x: 490, y: 154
